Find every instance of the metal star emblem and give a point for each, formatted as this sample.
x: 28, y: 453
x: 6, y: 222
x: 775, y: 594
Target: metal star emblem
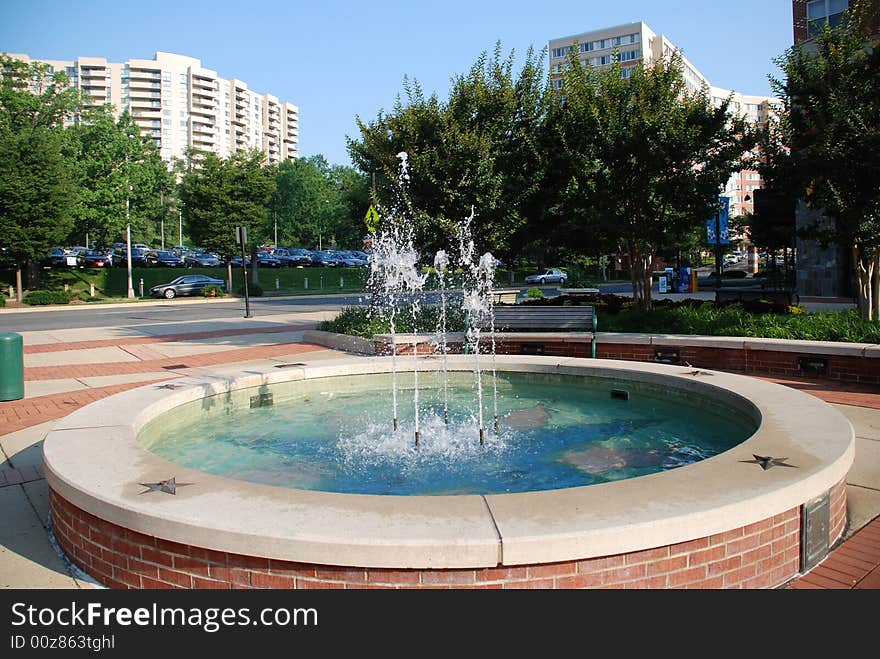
x: 168, y: 486
x: 169, y: 385
x: 699, y: 372
x: 766, y: 462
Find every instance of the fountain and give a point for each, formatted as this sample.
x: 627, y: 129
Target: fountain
x: 543, y: 501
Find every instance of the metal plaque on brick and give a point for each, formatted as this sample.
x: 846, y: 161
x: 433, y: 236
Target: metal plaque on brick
x: 813, y: 365
x: 667, y: 355
x: 815, y: 524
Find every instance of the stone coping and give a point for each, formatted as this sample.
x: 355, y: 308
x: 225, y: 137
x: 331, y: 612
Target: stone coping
x: 93, y: 459
x: 839, y: 348
x: 834, y: 348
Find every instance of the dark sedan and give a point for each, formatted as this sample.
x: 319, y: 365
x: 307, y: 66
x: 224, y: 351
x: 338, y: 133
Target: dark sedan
x: 168, y: 260
x: 96, y: 259
x: 186, y: 285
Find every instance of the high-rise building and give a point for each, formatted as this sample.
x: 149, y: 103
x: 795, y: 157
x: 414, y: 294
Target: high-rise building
x: 181, y: 105
x: 634, y: 44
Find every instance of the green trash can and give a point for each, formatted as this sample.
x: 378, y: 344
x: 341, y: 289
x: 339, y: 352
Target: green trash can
x: 11, y: 367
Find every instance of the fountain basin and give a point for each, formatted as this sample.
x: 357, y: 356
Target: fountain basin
x: 721, y: 522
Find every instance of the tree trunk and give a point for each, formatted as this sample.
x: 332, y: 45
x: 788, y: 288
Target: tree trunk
x: 641, y: 268
x: 866, y: 272
x: 18, y: 292
x: 228, y: 276
x: 875, y: 286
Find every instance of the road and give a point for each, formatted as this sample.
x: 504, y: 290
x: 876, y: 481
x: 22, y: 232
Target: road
x: 177, y: 311
x: 160, y: 312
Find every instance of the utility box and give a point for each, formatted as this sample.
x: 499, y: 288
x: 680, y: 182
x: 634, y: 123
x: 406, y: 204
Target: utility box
x: 11, y: 367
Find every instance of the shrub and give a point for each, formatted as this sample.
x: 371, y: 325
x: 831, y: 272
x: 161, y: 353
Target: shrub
x: 367, y: 321
x: 2, y: 300
x: 254, y: 290
x: 212, y: 291
x: 534, y: 293
x: 735, y: 274
x: 47, y: 297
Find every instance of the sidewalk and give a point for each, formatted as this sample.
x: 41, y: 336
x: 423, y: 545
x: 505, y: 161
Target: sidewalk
x: 66, y: 369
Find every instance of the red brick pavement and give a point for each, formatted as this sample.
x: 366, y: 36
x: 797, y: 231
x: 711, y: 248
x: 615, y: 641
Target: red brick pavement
x: 154, y: 365
x: 165, y: 338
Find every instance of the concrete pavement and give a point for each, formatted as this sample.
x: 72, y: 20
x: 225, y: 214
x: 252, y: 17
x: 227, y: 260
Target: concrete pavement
x: 65, y: 369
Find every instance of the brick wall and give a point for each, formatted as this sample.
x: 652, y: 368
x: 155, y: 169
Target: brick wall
x: 742, y: 360
x: 765, y: 554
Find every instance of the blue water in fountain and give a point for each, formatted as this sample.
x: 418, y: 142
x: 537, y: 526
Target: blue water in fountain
x: 554, y: 432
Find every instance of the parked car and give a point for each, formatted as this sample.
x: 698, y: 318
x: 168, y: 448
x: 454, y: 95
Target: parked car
x: 266, y: 260
x: 324, y: 258
x: 236, y: 261
x: 352, y: 259
x: 186, y: 285
x: 550, y: 276
x: 201, y: 260
x: 140, y: 258
x: 95, y: 259
x: 299, y: 256
x: 60, y: 257
x: 169, y: 259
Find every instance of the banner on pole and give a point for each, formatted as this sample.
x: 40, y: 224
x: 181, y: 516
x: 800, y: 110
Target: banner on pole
x: 722, y: 223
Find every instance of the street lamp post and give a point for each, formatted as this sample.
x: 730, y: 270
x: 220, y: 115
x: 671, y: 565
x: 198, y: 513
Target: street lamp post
x: 128, y: 241
x: 128, y: 190
x: 180, y: 225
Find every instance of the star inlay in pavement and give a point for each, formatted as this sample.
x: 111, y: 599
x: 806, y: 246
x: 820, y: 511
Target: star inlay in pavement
x: 766, y: 462
x: 168, y: 486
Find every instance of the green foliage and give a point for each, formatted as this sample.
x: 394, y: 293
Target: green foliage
x: 825, y: 148
x: 315, y: 203
x: 367, y: 321
x: 47, y: 297
x: 120, y: 178
x: 734, y: 320
x: 644, y: 158
x: 222, y: 194
x: 253, y: 290
x: 478, y: 150
x: 212, y: 291
x: 533, y: 293
x: 35, y: 183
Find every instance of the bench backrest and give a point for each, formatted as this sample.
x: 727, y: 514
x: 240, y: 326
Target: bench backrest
x: 577, y: 318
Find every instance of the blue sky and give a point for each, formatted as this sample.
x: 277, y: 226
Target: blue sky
x: 338, y: 59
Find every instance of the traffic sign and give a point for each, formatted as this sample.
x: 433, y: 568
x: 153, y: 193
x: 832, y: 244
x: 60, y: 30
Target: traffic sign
x: 371, y: 219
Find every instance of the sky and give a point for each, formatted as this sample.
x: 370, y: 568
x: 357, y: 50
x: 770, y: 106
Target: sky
x: 339, y: 59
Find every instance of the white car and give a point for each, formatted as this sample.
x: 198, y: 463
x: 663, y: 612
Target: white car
x: 550, y: 276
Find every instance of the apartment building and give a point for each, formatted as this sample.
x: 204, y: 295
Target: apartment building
x: 180, y: 104
x: 635, y: 44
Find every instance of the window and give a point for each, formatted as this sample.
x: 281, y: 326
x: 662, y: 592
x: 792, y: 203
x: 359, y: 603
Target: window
x: 822, y: 12
x: 557, y: 52
x: 557, y: 84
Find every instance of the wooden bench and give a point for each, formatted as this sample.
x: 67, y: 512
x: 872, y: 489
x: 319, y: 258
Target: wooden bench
x: 576, y: 318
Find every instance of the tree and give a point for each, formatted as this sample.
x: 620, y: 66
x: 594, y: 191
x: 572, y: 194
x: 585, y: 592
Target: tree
x: 221, y: 194
x: 120, y: 178
x: 35, y: 182
x: 305, y: 202
x: 645, y: 158
x: 826, y: 147
x: 477, y: 150
x: 353, y: 189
